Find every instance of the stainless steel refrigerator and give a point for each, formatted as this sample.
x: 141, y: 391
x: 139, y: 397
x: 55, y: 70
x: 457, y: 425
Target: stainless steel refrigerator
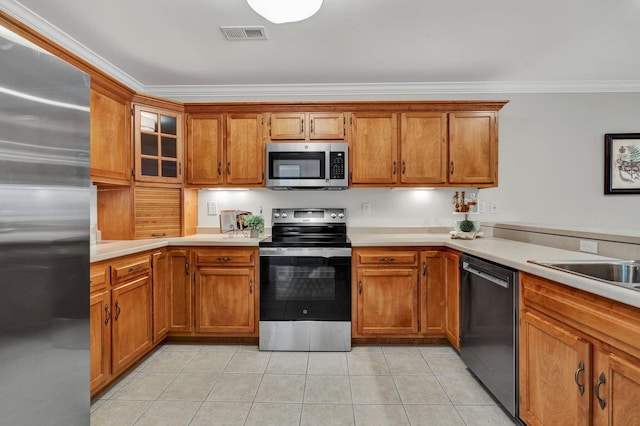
x: 44, y: 237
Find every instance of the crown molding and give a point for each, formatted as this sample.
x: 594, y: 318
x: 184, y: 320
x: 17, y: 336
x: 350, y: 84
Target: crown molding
x: 53, y: 33
x: 219, y: 93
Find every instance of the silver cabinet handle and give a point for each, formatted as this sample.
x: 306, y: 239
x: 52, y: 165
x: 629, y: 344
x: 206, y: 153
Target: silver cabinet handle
x: 576, y: 377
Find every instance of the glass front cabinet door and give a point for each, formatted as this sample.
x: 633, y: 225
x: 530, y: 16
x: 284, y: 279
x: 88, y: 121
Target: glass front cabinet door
x: 158, y: 145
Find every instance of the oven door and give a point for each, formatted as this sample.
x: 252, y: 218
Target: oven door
x: 305, y: 284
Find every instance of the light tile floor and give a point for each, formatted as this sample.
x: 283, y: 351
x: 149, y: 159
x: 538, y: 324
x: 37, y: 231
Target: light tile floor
x: 202, y: 384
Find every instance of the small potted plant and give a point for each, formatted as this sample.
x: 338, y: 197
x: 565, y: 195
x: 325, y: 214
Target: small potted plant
x: 255, y: 224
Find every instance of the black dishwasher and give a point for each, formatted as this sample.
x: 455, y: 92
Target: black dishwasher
x: 489, y: 327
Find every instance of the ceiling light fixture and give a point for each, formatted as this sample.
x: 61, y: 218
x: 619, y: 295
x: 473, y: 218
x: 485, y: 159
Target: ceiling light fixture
x: 283, y: 11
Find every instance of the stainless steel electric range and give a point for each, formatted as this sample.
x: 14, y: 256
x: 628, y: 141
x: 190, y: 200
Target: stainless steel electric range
x: 305, y: 281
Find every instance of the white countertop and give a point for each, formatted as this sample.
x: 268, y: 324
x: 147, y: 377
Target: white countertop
x: 510, y: 253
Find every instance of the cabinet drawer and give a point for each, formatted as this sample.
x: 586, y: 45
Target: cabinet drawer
x: 231, y: 257
x: 387, y: 257
x: 130, y: 267
x: 98, y: 277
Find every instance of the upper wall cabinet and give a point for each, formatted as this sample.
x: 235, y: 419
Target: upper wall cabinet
x: 110, y: 137
x: 374, y: 148
x: 420, y: 148
x: 205, y: 154
x: 423, y: 148
x: 244, y: 154
x: 473, y: 148
x: 158, y: 145
x: 310, y: 126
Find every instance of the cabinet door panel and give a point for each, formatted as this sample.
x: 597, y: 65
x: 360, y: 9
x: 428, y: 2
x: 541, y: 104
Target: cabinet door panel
x: 432, y: 292
x: 179, y: 288
x: 244, y: 149
x: 100, y: 339
x: 374, y: 153
x: 423, y: 152
x: 204, y: 149
x: 619, y: 390
x: 554, y: 363
x: 160, y: 296
x: 158, y: 145
x: 326, y: 126
x: 387, y: 301
x: 287, y: 126
x: 225, y: 300
x: 132, y: 317
x: 110, y: 139
x: 473, y: 150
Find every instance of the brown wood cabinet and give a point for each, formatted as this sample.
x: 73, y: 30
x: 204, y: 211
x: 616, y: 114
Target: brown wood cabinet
x: 579, y: 356
x: 157, y: 144
x: 473, y: 148
x: 432, y: 292
x: 160, y: 267
x: 100, y: 327
x: 467, y: 140
x: 180, y: 292
x: 157, y: 212
x: 226, y: 293
x: 452, y: 297
x: 423, y: 148
x: 244, y: 147
x: 374, y: 148
x: 110, y: 136
x: 131, y: 297
x: 309, y: 126
x: 397, y: 292
x: 205, y: 149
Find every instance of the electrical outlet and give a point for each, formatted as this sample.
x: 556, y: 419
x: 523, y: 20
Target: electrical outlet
x: 494, y: 207
x: 589, y: 246
x: 366, y: 209
x: 212, y: 208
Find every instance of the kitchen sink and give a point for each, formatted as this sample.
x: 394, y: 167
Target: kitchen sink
x: 625, y: 273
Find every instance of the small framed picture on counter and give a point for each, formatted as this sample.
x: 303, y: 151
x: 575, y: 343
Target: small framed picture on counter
x: 622, y: 163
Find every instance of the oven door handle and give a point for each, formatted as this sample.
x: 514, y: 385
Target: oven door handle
x: 305, y: 252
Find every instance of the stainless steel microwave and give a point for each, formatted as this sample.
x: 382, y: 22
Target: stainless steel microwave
x: 307, y: 165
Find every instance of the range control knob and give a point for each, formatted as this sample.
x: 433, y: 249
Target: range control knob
x: 341, y: 215
x: 284, y: 215
x: 276, y: 215
x: 333, y: 215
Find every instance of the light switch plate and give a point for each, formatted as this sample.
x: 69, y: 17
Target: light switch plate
x: 589, y: 246
x: 212, y: 208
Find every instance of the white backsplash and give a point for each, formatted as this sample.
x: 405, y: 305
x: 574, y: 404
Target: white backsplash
x: 387, y: 207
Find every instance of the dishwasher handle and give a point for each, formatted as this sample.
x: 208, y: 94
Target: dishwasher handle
x: 486, y: 275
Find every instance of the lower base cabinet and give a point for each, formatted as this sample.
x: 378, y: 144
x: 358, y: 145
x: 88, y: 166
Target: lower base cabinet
x: 398, y: 293
x: 100, y: 330
x: 579, y: 357
x: 131, y: 327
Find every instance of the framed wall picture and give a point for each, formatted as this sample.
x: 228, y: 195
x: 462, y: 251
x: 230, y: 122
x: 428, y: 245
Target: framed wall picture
x: 622, y: 163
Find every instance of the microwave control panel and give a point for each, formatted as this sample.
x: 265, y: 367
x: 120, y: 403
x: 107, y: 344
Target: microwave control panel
x: 336, y: 165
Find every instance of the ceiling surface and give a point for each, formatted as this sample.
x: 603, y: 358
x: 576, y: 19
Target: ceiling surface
x: 178, y: 43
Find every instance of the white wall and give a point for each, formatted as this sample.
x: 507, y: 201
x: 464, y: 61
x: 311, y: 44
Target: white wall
x: 551, y: 172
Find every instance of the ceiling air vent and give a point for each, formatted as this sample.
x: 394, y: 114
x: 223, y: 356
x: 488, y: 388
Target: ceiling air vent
x: 244, y: 33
